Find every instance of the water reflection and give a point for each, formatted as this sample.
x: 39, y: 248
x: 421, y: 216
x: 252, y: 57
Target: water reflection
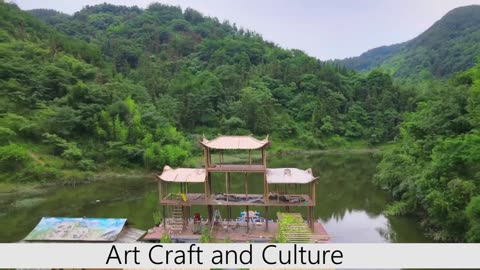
x: 348, y: 203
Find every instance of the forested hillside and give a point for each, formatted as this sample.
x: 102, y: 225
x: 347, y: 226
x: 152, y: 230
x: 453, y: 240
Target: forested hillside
x: 449, y: 46
x: 434, y: 168
x: 115, y: 86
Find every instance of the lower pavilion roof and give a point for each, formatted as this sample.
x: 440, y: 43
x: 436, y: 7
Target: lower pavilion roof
x: 289, y: 176
x: 273, y: 176
x: 183, y: 175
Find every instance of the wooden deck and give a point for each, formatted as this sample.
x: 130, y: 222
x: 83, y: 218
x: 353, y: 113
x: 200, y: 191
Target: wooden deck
x: 234, y: 231
x: 236, y: 168
x: 130, y: 235
x: 199, y: 199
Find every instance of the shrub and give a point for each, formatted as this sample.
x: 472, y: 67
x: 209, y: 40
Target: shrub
x: 166, y: 238
x: 13, y: 156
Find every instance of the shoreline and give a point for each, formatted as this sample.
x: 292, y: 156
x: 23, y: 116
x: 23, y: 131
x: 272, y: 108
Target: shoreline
x: 9, y: 188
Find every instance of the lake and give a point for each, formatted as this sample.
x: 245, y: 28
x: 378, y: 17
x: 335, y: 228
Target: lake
x: 348, y: 203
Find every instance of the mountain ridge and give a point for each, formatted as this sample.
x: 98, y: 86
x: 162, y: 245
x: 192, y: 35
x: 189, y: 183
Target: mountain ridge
x: 449, y: 46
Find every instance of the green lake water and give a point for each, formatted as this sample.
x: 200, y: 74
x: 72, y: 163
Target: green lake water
x: 348, y: 204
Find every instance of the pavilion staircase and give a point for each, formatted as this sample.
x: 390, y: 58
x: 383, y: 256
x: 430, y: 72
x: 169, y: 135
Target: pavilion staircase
x: 293, y: 229
x: 217, y: 220
x: 177, y: 222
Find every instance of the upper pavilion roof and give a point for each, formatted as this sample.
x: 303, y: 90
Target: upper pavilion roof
x: 235, y: 142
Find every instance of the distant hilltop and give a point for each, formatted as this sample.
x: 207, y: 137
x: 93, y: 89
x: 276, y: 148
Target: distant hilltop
x: 450, y: 45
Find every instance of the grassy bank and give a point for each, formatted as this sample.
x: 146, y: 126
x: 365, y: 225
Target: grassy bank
x: 39, y: 166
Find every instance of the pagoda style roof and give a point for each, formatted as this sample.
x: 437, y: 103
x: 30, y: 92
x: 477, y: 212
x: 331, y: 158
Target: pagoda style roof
x: 182, y: 175
x: 235, y: 142
x: 289, y: 176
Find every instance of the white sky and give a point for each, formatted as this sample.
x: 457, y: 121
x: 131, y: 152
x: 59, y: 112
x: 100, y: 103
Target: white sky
x: 326, y: 29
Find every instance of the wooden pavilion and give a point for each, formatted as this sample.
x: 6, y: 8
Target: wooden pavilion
x: 278, y: 183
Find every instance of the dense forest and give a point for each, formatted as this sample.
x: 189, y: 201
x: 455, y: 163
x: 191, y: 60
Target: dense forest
x: 433, y: 169
x: 114, y: 87
x: 449, y: 46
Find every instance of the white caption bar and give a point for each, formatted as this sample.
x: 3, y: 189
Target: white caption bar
x: 63, y: 255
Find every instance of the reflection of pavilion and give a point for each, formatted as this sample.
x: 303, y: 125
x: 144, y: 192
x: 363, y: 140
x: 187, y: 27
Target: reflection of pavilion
x: 279, y: 187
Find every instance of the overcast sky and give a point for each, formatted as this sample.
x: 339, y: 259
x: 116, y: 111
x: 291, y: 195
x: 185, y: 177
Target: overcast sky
x: 326, y: 29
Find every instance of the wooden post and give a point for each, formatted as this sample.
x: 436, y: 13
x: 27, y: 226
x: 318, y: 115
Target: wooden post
x: 265, y: 188
x: 228, y: 180
x: 265, y: 158
x: 210, y: 215
x: 226, y: 185
x: 312, y: 222
x: 248, y: 219
x: 229, y: 214
x: 249, y: 156
x: 205, y: 157
x: 166, y: 185
x: 314, y: 193
x: 159, y: 191
x: 184, y: 217
x: 266, y: 218
x: 209, y: 157
x: 164, y: 217
x: 229, y: 208
x: 246, y: 185
x: 209, y: 180
x: 265, y: 185
x: 207, y: 196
